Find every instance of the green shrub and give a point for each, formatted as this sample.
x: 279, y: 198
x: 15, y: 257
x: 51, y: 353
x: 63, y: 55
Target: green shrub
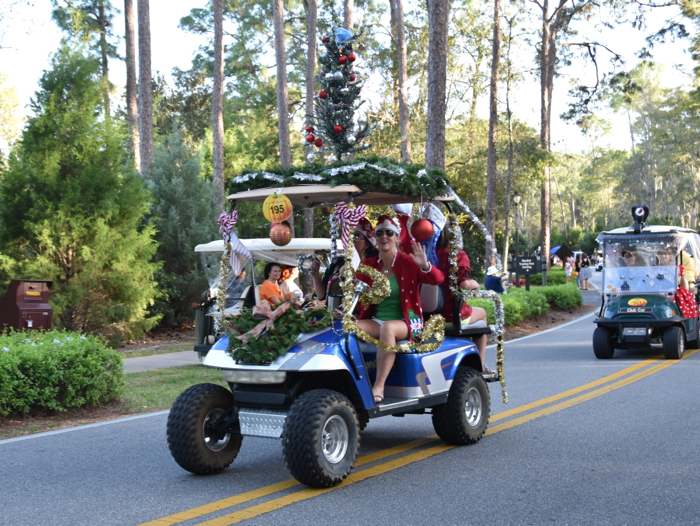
x: 56, y: 370
x: 555, y: 276
x: 517, y: 305
x: 562, y: 296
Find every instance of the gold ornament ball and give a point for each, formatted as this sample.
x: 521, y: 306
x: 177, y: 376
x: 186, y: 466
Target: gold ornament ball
x: 280, y: 234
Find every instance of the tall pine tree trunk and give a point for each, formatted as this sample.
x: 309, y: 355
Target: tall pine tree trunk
x: 311, y: 20
x: 438, y: 25
x: 397, y: 13
x: 145, y: 89
x: 491, y: 169
x: 348, y: 13
x: 102, y: 22
x: 217, y: 107
x: 282, y: 97
x: 132, y: 105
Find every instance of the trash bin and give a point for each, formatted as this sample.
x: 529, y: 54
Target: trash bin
x: 26, y: 305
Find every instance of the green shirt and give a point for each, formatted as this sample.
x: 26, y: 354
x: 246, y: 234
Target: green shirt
x: 390, y: 308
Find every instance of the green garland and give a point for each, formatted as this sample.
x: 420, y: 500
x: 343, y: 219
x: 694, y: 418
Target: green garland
x: 369, y: 173
x: 275, y: 341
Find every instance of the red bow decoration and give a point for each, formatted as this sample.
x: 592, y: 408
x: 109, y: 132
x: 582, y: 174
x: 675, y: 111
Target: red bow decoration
x: 348, y: 219
x: 263, y: 311
x: 226, y: 222
x: 686, y: 303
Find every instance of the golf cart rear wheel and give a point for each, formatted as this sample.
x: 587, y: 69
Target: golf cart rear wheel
x: 603, y: 344
x: 195, y: 436
x: 464, y: 417
x: 674, y: 343
x: 321, y: 438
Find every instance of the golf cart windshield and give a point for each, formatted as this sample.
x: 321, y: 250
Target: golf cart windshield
x: 639, y: 263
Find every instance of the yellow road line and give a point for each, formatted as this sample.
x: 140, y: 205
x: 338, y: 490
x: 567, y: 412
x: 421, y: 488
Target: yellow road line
x: 274, y: 488
x: 408, y: 459
x: 575, y: 390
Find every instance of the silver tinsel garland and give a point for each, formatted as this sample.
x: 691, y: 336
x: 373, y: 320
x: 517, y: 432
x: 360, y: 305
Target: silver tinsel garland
x: 224, y: 271
x: 335, y: 234
x: 307, y: 177
x: 479, y: 224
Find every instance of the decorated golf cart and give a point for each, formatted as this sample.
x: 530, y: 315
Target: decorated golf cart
x: 239, y: 285
x: 649, y: 289
x: 303, y: 375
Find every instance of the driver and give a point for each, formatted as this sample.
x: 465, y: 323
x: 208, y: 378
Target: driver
x: 398, y: 317
x: 666, y: 258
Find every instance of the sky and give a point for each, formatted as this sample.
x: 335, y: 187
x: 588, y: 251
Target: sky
x: 31, y: 36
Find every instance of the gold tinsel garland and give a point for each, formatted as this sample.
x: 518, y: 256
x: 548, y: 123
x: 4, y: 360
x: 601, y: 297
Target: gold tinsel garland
x: 434, y: 327
x: 221, y: 288
x: 454, y: 234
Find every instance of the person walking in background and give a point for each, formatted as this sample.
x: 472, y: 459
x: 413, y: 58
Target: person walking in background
x: 569, y: 269
x: 585, y: 272
x: 577, y: 270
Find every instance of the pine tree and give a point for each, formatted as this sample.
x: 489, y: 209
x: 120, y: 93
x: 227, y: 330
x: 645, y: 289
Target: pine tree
x: 335, y: 128
x: 72, y: 212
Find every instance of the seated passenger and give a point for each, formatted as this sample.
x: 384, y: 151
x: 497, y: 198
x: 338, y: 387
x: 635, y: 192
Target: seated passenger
x: 632, y: 259
x: 270, y: 290
x: 468, y: 315
x: 398, y: 317
x: 288, y: 285
x: 364, y: 243
x: 494, y: 280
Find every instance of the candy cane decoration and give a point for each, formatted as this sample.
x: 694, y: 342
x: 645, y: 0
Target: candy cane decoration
x: 226, y: 223
x: 348, y: 219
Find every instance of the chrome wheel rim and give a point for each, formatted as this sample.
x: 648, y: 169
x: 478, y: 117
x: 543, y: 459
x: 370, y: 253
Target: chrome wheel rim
x: 334, y: 439
x: 681, y: 344
x: 473, y: 408
x: 209, y: 432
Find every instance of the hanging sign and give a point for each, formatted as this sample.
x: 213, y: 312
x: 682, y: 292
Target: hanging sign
x: 277, y: 208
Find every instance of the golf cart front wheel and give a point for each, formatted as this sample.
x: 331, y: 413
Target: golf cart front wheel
x: 674, y: 343
x: 603, y: 344
x: 321, y: 438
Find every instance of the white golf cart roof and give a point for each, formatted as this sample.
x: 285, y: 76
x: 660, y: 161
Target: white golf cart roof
x: 266, y: 250
x: 651, y: 229
x: 313, y: 195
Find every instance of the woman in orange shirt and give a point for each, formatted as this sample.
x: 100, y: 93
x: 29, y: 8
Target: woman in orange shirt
x: 270, y: 290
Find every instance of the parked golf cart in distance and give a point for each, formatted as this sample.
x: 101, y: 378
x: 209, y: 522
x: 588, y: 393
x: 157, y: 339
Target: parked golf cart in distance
x: 317, y: 396
x: 642, y: 299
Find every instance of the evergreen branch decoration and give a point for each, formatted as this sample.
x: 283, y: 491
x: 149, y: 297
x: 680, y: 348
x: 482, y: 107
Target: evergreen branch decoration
x: 369, y: 173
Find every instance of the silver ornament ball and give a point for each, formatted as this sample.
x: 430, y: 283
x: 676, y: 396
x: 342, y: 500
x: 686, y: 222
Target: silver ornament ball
x: 351, y: 139
x: 311, y: 157
x: 337, y: 76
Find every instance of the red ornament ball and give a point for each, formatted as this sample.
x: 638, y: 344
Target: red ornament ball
x: 323, y: 94
x: 310, y: 138
x: 309, y: 129
x: 358, y: 91
x: 324, y: 39
x: 337, y: 128
x: 352, y: 57
x: 280, y: 233
x: 422, y: 230
x: 342, y: 59
x: 352, y: 77
x: 318, y: 142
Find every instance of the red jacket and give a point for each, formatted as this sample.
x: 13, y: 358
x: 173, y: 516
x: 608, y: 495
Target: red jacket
x: 463, y: 272
x: 409, y: 277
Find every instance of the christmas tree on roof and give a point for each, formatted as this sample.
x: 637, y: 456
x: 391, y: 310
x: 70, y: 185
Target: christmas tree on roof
x: 334, y: 128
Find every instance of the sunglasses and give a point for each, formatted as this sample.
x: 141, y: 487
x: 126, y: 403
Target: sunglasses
x: 387, y: 233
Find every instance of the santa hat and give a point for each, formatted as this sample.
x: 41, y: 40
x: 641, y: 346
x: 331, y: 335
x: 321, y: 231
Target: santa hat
x: 365, y: 228
x: 387, y: 223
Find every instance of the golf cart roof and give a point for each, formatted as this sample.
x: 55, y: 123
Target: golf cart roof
x: 314, y: 195
x: 650, y: 229
x: 266, y: 250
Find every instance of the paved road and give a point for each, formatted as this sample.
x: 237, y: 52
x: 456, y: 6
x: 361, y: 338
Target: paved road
x: 586, y: 442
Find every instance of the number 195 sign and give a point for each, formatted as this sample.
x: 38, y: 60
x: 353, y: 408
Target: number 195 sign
x: 277, y: 208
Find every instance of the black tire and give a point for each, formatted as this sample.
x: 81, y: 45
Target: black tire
x: 603, y: 346
x: 321, y: 438
x: 191, y: 435
x: 674, y: 343
x: 465, y: 416
x: 362, y: 418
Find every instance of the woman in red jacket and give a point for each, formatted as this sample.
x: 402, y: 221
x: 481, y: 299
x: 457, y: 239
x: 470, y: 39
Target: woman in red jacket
x: 398, y: 317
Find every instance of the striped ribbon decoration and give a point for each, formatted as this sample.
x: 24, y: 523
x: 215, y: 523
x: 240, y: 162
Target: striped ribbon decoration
x: 226, y: 222
x: 348, y: 219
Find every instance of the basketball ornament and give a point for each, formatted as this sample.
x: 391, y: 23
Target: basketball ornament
x: 422, y: 230
x: 277, y: 208
x: 280, y: 233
